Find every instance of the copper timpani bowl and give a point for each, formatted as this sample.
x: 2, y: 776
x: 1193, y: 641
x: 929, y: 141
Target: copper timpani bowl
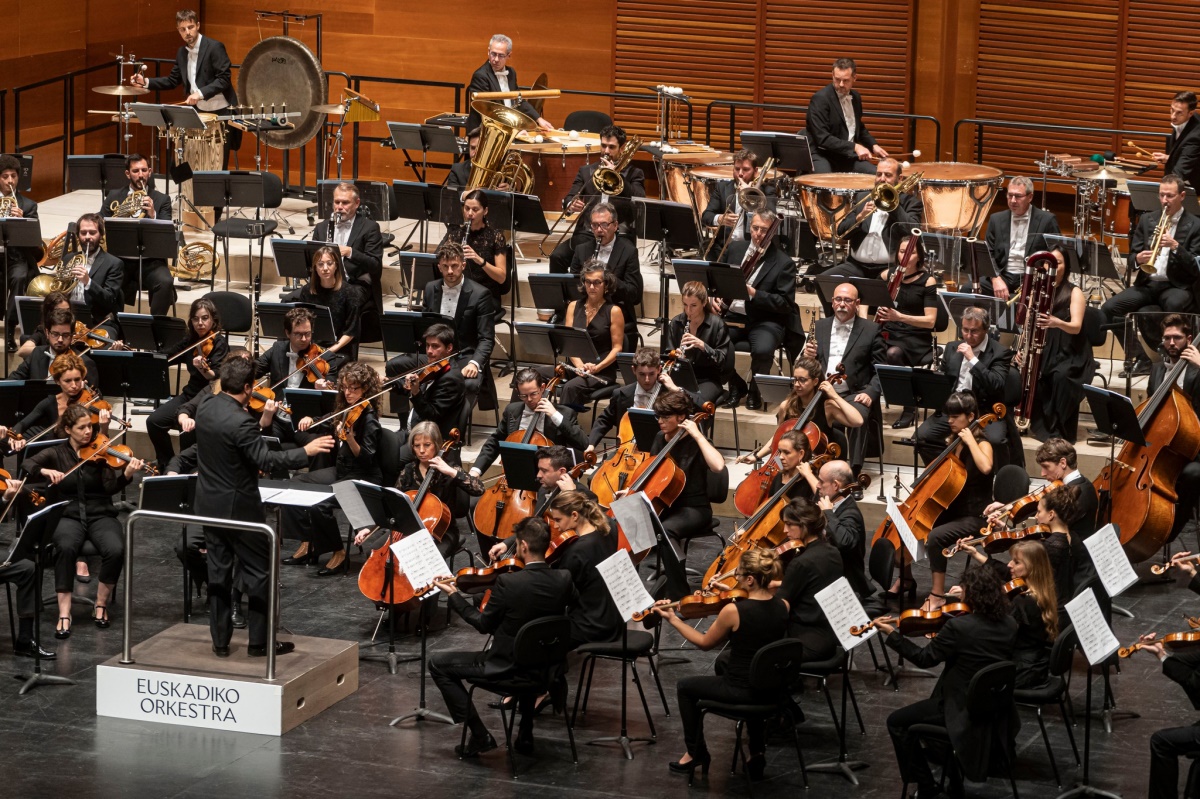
x: 828, y: 197
x: 957, y: 196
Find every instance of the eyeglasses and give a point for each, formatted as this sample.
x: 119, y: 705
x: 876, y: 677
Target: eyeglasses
x: 532, y: 395
x: 497, y: 56
x: 601, y: 225
x: 844, y: 300
x: 55, y: 335
x: 599, y: 282
x: 661, y: 416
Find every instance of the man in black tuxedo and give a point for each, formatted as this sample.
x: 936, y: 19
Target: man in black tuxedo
x: 1014, y: 235
x: 156, y: 276
x: 98, y: 280
x: 724, y: 211
x: 1177, y: 344
x: 1164, y: 282
x: 982, y: 366
x: 844, y: 523
x: 21, y: 262
x: 584, y: 195
x: 519, y: 597
x: 279, y: 362
x: 203, y: 68
x: 360, y: 242
x: 1183, y: 142
x: 649, y: 380
x: 229, y: 457
x: 497, y: 76
x: 839, y: 140
x: 439, y: 398
x: 877, y: 234
x: 770, y: 316
x: 557, y: 424
x: 460, y: 173
x: 619, y: 256
x: 60, y: 333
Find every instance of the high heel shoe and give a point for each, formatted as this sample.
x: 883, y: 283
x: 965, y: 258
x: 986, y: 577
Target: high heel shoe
x: 906, y: 586
x: 63, y: 632
x: 690, y: 767
x: 338, y: 564
x: 305, y: 556
x: 100, y: 617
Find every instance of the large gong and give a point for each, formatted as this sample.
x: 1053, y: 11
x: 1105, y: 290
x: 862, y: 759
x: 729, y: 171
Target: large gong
x: 278, y: 71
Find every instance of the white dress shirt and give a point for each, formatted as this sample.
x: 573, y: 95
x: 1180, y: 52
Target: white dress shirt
x: 737, y: 233
x: 341, y: 231
x: 643, y: 398
x: 964, y: 372
x: 839, y: 338
x: 78, y: 296
x: 294, y: 380
x: 873, y: 250
x: 1017, y: 237
x: 848, y: 114
x: 214, y: 103
x: 1160, y: 264
x: 527, y: 419
x: 450, y: 298
x: 502, y: 79
x: 604, y: 251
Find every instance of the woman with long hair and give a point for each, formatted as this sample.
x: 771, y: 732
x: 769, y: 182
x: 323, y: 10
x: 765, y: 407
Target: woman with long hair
x: 704, y: 340
x: 602, y: 320
x: 1067, y: 362
x: 816, y: 566
x: 327, y: 287
x: 484, y: 247
x: 808, y: 380
x: 594, y: 619
x: 909, y: 325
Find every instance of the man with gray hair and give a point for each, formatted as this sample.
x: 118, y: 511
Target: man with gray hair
x: 496, y: 76
x: 1014, y: 235
x: 360, y: 242
x: 844, y: 523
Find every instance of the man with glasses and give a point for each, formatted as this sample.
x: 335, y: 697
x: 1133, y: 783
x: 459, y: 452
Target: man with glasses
x: 61, y: 335
x: 619, y: 257
x: 1014, y: 235
x: 496, y: 76
x: 1176, y: 345
x: 557, y: 424
x: 649, y: 381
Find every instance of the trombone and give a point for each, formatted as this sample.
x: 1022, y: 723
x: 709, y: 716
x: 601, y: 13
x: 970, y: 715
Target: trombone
x: 751, y: 199
x: 607, y: 180
x: 886, y: 198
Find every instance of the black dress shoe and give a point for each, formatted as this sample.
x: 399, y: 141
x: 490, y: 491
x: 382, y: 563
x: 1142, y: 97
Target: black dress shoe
x: 736, y: 393
x: 754, y: 400
x: 476, y: 746
x: 1141, y: 368
x: 238, y: 619
x: 907, y: 418
x: 29, y: 649
x: 221, y: 651
x: 690, y: 766
x: 524, y: 743
x: 338, y: 564
x: 281, y: 648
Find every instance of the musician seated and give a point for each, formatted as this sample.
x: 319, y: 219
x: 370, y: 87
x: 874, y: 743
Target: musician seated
x: 519, y: 597
x: 356, y: 457
x: 724, y: 211
x: 496, y: 76
x: 1014, y: 235
x: 460, y: 173
x: 584, y: 195
x: 604, y: 323
x: 965, y: 644
x: 982, y: 367
x: 473, y: 310
x: 277, y: 370
x: 594, y: 618
x: 702, y: 337
x: 484, y: 247
x: 1177, y: 344
x: 439, y: 398
x: 60, y: 336
x: 122, y: 202
x: 89, y: 514
x: 908, y: 328
x: 32, y: 340
x: 1182, y: 156
x: 840, y: 141
x: 22, y: 261
x: 770, y: 317
x: 816, y: 566
x: 876, y: 235
x: 556, y: 423
x: 68, y: 372
x: 1164, y: 280
x: 360, y: 242
x: 844, y: 522
x: 1058, y: 460
x: 326, y: 287
x: 554, y: 466
x: 807, y: 382
x: 794, y: 457
x: 619, y: 256
x: 748, y: 625
x: 649, y: 381
x: 98, y: 276
x: 20, y: 574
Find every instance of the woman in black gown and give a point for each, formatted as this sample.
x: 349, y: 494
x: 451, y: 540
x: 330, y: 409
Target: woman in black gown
x: 484, y: 246
x: 327, y: 287
x: 1067, y: 362
x: 604, y: 324
x: 909, y: 326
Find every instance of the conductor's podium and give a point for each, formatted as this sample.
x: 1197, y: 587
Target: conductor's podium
x: 176, y: 679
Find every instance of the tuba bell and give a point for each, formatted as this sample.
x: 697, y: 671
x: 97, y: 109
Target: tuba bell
x: 493, y: 163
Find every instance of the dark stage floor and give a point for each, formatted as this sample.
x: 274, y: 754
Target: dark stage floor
x: 54, y: 745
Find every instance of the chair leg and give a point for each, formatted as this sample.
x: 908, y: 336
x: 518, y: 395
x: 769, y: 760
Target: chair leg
x: 800, y: 754
x: 737, y: 747
x: 508, y: 720
x: 641, y: 693
x: 1049, y: 749
x: 579, y: 690
x: 837, y: 724
x: 1062, y: 709
x: 570, y: 722
x: 658, y: 682
x: 849, y: 688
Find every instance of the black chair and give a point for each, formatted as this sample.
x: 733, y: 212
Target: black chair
x: 251, y: 230
x: 711, y: 423
x: 989, y: 699
x: 1096, y: 334
x: 639, y: 644
x: 821, y: 671
x: 1012, y: 483
x: 235, y: 310
x: 775, y: 668
x: 601, y: 393
x: 591, y: 121
x: 1054, y: 692
x: 541, y: 646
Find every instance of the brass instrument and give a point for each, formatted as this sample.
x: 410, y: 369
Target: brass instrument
x: 608, y: 180
x: 751, y: 199
x: 8, y: 205
x: 52, y: 253
x: 494, y: 164
x: 886, y: 198
x: 1156, y: 241
x: 1037, y: 298
x: 196, y: 261
x: 59, y: 280
x: 131, y: 206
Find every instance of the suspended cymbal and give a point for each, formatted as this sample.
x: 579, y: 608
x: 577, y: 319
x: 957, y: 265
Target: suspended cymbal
x: 337, y: 109
x: 120, y: 91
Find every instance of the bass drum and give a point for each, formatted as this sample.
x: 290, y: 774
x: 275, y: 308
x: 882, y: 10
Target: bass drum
x: 282, y: 72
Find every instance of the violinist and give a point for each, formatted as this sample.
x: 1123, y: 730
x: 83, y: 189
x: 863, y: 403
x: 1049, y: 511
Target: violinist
x: 38, y: 338
x: 649, y: 380
x: 594, y: 618
x: 704, y: 340
x: 327, y: 287
x: 807, y: 380
x: 356, y: 457
x: 691, y: 513
x: 965, y: 644
x: 1177, y: 343
x: 518, y: 597
x: 1057, y: 509
x: 964, y: 516
x: 441, y: 397
x: 816, y: 566
x: 484, y: 247
x: 90, y: 514
x: 604, y: 323
x: 747, y: 625
x: 278, y: 366
x: 98, y: 280
x: 554, y: 473
x: 908, y: 327
x: 202, y: 362
x: 60, y: 335
x: 557, y: 423
x: 68, y: 373
x: 187, y: 413
x: 794, y: 456
x: 1067, y: 362
x: 844, y: 521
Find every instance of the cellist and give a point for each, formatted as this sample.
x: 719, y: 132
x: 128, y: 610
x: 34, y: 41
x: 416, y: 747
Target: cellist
x: 650, y: 379
x: 808, y: 379
x: 554, y: 472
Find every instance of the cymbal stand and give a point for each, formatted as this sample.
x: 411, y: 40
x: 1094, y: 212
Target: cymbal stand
x: 122, y: 109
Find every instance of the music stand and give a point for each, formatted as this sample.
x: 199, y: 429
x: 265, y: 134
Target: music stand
x: 407, y: 136
x: 141, y: 240
x: 294, y: 259
x: 684, y: 376
x: 35, y: 537
x: 773, y: 389
x: 957, y: 302
x: 422, y: 269
x: 237, y: 189
x: 173, y: 494
x: 95, y: 172
x: 645, y: 427
x: 721, y: 281
x: 271, y: 319
x: 167, y: 118
x: 1085, y: 257
x: 418, y: 202
x: 152, y: 333
x: 309, y: 402
x: 404, y: 331
x: 19, y: 397
x: 914, y: 388
x: 624, y: 367
x: 17, y: 232
x: 673, y: 226
x: 558, y: 341
x: 29, y: 313
x: 554, y: 291
x: 791, y: 151
x: 1116, y: 418
x: 872, y: 292
x: 128, y: 374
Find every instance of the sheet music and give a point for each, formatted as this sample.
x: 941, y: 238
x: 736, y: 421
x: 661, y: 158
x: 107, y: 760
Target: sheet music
x: 352, y: 505
x: 841, y: 607
x: 916, y: 549
x: 1110, y: 560
x: 419, y: 559
x: 1095, y: 636
x: 624, y: 586
x: 635, y: 515
x: 296, y: 497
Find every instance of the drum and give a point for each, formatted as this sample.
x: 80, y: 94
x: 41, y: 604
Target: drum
x: 554, y: 169
x: 1117, y: 222
x: 826, y: 199
x: 957, y: 196
x: 704, y: 181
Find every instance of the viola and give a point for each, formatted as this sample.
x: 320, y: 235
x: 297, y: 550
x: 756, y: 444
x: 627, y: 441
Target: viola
x: 92, y: 399
x: 434, y: 513
x: 1184, y: 640
x: 918, y: 622
x: 697, y: 605
x: 260, y: 395
x: 1015, y: 586
x: 312, y: 364
x: 560, y: 539
x: 1024, y: 507
x: 1001, y: 540
x: 203, y: 348
x: 34, y: 497
x: 96, y: 338
x: 118, y: 456
x: 613, y: 475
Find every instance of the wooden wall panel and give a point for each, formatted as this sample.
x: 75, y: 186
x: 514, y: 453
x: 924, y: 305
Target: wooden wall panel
x: 1160, y: 60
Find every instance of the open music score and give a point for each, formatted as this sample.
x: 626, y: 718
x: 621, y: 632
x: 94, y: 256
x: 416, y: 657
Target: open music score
x: 843, y: 610
x: 420, y: 560
x: 624, y: 585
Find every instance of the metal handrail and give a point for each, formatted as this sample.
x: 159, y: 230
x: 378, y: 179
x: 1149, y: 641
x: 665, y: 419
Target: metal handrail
x: 181, y: 518
x: 981, y: 124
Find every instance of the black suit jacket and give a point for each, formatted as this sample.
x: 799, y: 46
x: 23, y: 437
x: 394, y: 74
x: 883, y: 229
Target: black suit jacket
x: 899, y: 223
x: 37, y: 367
x: 848, y: 532
x: 569, y: 434
x: 625, y: 267
x: 1181, y: 265
x: 999, y: 233
x: 365, y: 264
x: 474, y: 320
x: 584, y: 189
x: 484, y: 80
x: 865, y: 348
x: 722, y: 200
x: 229, y: 456
x: 1191, y: 381
x: 103, y: 294
x: 274, y: 362
x: 162, y: 202
x: 519, y: 597
x: 826, y: 126
x: 1183, y: 152
x: 459, y: 175
x: 213, y: 75
x: 618, y: 404
x: 775, y: 287
x: 989, y: 377
x: 440, y: 400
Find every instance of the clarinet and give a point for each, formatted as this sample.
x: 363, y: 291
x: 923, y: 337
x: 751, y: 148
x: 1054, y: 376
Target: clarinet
x: 333, y: 223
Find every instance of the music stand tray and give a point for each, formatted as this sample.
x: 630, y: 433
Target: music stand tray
x: 229, y: 188
x: 412, y: 201
x: 957, y: 302
x: 144, y: 239
x: 872, y: 292
x: 536, y: 341
x: 908, y: 387
x: 310, y: 402
x: 153, y: 333
x: 554, y: 291
x: 645, y: 427
x: 422, y: 268
x: 174, y: 493
x: 294, y: 258
x: 664, y: 221
x: 722, y: 281
x: 141, y: 375
x: 773, y: 389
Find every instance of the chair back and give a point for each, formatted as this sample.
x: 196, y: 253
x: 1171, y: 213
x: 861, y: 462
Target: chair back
x: 1063, y: 652
x: 272, y: 190
x: 776, y: 666
x: 1093, y: 326
x: 882, y: 563
x: 234, y: 309
x: 1012, y: 483
x: 990, y: 694
x: 389, y: 457
x: 591, y: 121
x: 542, y: 642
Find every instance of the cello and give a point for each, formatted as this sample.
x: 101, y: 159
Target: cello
x: 432, y: 511
x: 501, y: 507
x: 660, y: 478
x: 1138, y: 488
x: 935, y: 489
x: 613, y: 475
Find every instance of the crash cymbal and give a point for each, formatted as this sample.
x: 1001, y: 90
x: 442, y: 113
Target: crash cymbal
x: 337, y: 109
x: 120, y: 91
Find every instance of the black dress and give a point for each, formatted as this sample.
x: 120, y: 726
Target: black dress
x: 455, y: 491
x: 912, y: 299
x: 1031, y: 652
x: 577, y: 390
x: 595, y: 619
x: 344, y: 307
x: 964, y: 516
x: 691, y: 513
x: 1067, y: 365
x: 801, y: 490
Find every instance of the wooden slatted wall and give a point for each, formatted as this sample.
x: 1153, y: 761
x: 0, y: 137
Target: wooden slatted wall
x: 1160, y: 60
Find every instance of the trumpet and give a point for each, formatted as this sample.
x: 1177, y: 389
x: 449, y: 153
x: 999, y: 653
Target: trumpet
x: 607, y: 179
x: 886, y: 198
x: 1156, y: 242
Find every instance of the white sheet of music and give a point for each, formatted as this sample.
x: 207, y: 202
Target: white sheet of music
x: 841, y: 607
x: 1112, y: 564
x: 636, y: 515
x: 352, y: 505
x: 1095, y: 636
x: 916, y: 549
x: 295, y: 497
x: 624, y: 585
x: 419, y: 559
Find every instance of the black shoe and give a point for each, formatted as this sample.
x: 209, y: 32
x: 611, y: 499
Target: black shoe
x: 61, y: 632
x: 737, y: 390
x: 524, y: 743
x: 281, y: 648
x: 305, y: 556
x: 238, y: 619
x: 476, y: 746
x: 754, y: 400
x: 221, y: 651
x: 100, y: 617
x: 29, y: 649
x: 341, y: 566
x: 690, y: 766
x: 907, y: 418
x: 756, y: 767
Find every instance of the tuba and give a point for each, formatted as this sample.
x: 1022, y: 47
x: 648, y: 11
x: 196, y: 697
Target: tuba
x: 494, y: 164
x: 1036, y: 298
x: 608, y: 179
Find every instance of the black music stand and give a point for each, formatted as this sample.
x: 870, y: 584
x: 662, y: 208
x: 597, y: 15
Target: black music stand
x: 173, y: 494
x: 152, y: 333
x: 958, y: 302
x: 872, y: 292
x: 17, y: 232
x: 168, y: 118
x: 309, y: 402
x: 554, y: 292
x: 914, y: 388
x: 141, y: 240
x: 129, y: 374
x: 419, y: 202
x: 427, y: 139
x: 404, y: 331
x: 557, y: 341
x: 236, y: 189
x: 35, y: 537
x: 644, y: 424
x: 791, y: 151
x: 417, y: 269
x: 95, y: 172
x: 624, y: 367
x: 1116, y: 418
x: 271, y: 319
x: 673, y: 226
x: 774, y: 389
x: 294, y: 259
x: 1086, y: 258
x: 721, y: 281
x: 18, y: 397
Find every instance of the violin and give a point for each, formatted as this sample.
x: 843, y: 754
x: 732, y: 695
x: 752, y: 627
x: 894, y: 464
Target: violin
x: 434, y: 513
x: 1024, y: 507
x: 92, y: 399
x: 34, y: 497
x: 478, y: 581
x: 785, y: 551
x: 203, y: 347
x: 1184, y: 640
x: 1157, y: 568
x: 118, y: 456
x: 917, y: 622
x: 260, y: 395
x: 355, y: 413
x: 1015, y: 586
x: 1001, y: 540
x: 859, y: 630
x: 559, y: 539
x: 96, y: 338
x: 613, y: 475
x: 697, y: 605
x: 312, y: 364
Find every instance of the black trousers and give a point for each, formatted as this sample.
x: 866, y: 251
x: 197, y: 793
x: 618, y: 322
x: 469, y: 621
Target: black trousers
x: 1013, y: 281
x: 19, y: 274
x: 159, y: 424
x: 156, y: 279
x: 764, y: 339
x: 103, y: 531
x: 944, y: 535
x: 1166, y: 747
x: 21, y: 574
x: 315, y: 524
x: 251, y: 578
x: 449, y: 670
x: 1157, y: 295
x: 828, y: 162
x: 682, y: 523
x: 914, y: 768
x: 690, y: 690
